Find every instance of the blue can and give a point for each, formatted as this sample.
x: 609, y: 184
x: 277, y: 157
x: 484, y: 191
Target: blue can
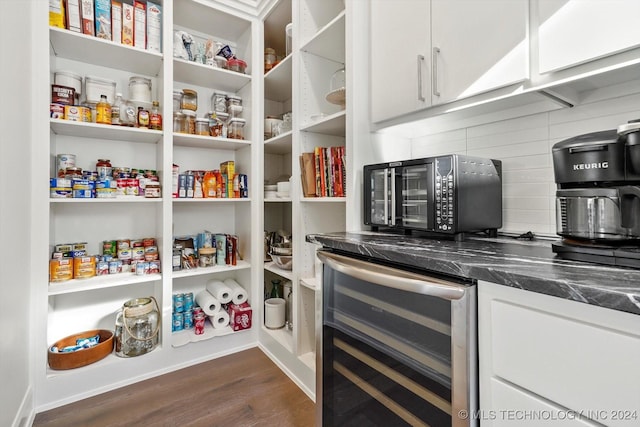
x: 178, y: 322
x: 188, y: 319
x: 188, y: 301
x: 178, y: 303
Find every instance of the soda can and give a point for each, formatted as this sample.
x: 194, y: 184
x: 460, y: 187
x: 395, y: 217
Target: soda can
x: 188, y: 301
x: 198, y: 323
x: 178, y: 303
x: 197, y: 310
x: 178, y: 322
x: 188, y: 319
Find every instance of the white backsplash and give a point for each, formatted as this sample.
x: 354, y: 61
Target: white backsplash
x: 524, y: 146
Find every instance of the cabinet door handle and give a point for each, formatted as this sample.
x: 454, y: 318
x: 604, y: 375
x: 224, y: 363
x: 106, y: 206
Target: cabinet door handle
x: 420, y: 61
x: 393, y: 197
x: 434, y: 72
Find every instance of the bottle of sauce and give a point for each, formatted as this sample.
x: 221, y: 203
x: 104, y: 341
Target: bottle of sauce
x: 103, y: 111
x: 155, y: 118
x: 143, y: 118
x: 115, y: 110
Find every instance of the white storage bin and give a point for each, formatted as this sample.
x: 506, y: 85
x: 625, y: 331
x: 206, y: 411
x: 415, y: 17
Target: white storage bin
x: 69, y: 79
x: 96, y: 86
x: 140, y: 89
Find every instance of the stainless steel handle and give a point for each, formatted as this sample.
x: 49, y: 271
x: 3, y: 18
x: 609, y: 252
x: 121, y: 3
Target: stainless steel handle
x: 392, y: 277
x: 420, y: 61
x: 434, y: 72
x: 386, y: 197
x: 392, y: 197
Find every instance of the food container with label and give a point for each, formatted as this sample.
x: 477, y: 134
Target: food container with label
x: 69, y: 79
x: 63, y: 95
x: 237, y: 65
x: 97, y: 86
x: 189, y: 100
x: 139, y: 89
x: 235, y: 128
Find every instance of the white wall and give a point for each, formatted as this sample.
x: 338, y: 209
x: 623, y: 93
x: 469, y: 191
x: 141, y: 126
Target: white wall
x: 16, y: 393
x: 524, y: 146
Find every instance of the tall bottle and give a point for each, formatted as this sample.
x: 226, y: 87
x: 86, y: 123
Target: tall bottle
x: 103, y: 111
x: 155, y: 118
x: 275, y: 289
x: 115, y: 110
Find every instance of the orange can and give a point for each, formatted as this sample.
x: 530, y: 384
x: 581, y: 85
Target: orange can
x: 84, y: 267
x: 60, y: 270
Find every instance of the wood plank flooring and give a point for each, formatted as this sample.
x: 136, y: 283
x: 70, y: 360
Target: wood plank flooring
x: 210, y: 394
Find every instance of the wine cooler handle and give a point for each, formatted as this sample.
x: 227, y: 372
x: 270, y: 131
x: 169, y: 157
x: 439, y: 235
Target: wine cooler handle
x: 392, y: 277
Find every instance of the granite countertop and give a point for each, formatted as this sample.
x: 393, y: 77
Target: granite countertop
x: 529, y: 265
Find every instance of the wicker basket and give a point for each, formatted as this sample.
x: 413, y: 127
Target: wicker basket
x: 86, y: 356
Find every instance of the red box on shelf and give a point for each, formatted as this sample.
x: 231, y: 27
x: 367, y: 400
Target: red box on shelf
x: 239, y: 316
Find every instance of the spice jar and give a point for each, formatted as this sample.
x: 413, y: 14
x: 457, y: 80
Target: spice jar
x: 269, y: 59
x: 179, y: 122
x: 236, y: 128
x: 202, y: 126
x: 190, y: 121
x: 189, y: 100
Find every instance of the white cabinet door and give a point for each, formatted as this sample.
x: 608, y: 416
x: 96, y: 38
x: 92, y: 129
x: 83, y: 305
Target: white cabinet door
x: 400, y: 57
x: 572, y: 32
x: 477, y: 46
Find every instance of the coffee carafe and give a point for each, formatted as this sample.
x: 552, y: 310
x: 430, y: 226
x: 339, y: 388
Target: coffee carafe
x: 598, y: 191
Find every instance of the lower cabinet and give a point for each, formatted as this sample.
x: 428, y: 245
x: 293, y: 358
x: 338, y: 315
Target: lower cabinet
x: 549, y: 361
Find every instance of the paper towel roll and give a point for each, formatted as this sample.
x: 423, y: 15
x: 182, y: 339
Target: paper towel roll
x: 238, y: 294
x: 210, y: 304
x: 220, y: 319
x: 219, y: 290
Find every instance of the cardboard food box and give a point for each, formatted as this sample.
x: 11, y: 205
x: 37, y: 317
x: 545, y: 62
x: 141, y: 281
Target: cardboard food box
x: 74, y: 22
x: 127, y: 22
x: 86, y: 11
x: 116, y: 21
x: 140, y: 24
x: 103, y: 19
x: 239, y: 316
x: 154, y: 27
x: 56, y: 13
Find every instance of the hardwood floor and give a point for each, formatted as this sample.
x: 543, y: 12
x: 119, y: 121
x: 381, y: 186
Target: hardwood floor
x: 208, y: 394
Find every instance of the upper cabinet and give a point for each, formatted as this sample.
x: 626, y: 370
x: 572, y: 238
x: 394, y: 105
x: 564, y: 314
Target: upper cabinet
x: 572, y: 32
x: 452, y: 51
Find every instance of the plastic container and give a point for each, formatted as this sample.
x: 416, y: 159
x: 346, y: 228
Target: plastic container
x: 202, y: 126
x: 190, y: 120
x: 288, y: 39
x: 219, y: 102
x: 139, y: 89
x: 69, y: 79
x: 235, y: 128
x: 177, y: 96
x: 189, y: 100
x: 179, y: 122
x: 96, y: 86
x: 233, y: 101
x: 237, y: 65
x: 221, y: 62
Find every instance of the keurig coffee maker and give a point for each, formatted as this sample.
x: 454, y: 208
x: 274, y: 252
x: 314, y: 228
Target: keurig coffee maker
x: 598, y: 196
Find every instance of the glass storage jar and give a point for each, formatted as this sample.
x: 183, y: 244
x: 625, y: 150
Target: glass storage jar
x: 140, y: 89
x: 137, y: 327
x: 179, y: 122
x: 189, y: 100
x: 236, y: 128
x: 269, y: 59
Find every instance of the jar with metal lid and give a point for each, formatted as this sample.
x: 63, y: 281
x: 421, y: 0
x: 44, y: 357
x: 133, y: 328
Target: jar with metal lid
x: 236, y: 128
x: 179, y: 122
x: 139, y: 89
x: 191, y: 121
x: 137, y: 327
x: 103, y: 167
x: 189, y: 100
x: 219, y: 102
x: 206, y: 257
x: 269, y: 59
x: 73, y: 173
x: 202, y: 126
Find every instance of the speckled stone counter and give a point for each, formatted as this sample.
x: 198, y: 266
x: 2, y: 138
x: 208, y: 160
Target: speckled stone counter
x: 528, y: 265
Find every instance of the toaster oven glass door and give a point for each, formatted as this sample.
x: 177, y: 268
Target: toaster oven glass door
x: 417, y: 196
x: 381, y: 195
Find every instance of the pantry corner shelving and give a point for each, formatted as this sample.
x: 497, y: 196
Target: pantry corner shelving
x: 333, y: 124
x: 329, y: 41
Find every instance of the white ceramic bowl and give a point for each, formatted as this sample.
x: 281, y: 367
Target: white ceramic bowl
x: 283, y: 188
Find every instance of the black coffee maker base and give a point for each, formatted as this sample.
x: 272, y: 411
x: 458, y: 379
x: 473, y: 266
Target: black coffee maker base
x: 618, y: 256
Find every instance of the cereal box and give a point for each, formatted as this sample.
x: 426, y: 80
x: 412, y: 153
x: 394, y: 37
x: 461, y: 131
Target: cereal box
x: 103, y: 19
x: 140, y: 24
x: 127, y: 22
x: 116, y: 21
x: 154, y: 27
x: 86, y: 11
x: 56, y: 13
x: 74, y: 22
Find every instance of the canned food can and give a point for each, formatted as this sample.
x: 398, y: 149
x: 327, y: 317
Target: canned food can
x: 102, y: 268
x: 142, y: 268
x: 64, y: 161
x: 123, y: 244
x: 198, y: 323
x: 188, y: 301
x: 178, y: 322
x: 115, y: 267
x: 197, y: 310
x: 178, y: 303
x: 109, y: 247
x: 188, y: 319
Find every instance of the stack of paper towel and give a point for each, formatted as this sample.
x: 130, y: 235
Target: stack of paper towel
x: 219, y: 292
